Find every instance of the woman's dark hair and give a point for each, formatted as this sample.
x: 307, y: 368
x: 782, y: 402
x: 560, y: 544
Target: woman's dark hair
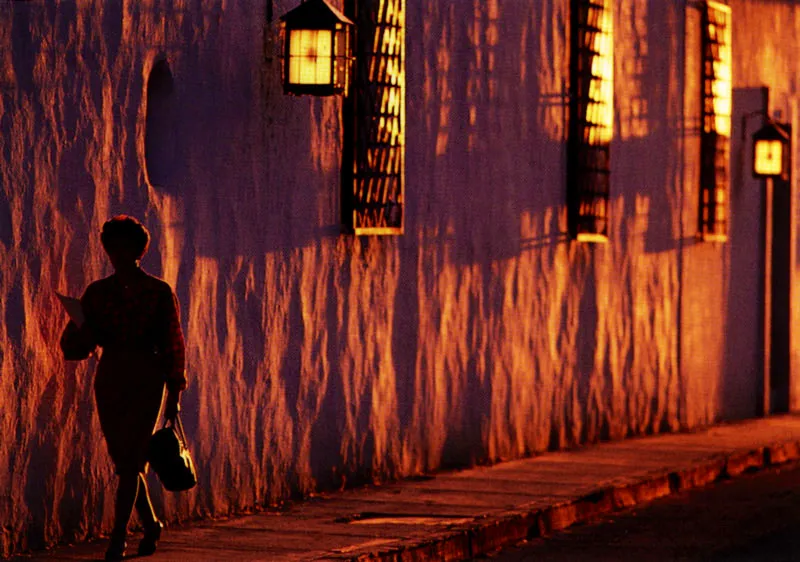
x: 125, y: 232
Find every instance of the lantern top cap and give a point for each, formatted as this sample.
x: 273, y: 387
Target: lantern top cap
x: 315, y: 14
x: 772, y: 131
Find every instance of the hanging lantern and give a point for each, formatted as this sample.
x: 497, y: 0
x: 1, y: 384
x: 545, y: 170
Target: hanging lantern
x: 770, y: 152
x: 317, y: 50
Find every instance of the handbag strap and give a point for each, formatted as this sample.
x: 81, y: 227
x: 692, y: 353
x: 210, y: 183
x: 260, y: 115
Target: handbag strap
x: 181, y: 433
x: 178, y: 426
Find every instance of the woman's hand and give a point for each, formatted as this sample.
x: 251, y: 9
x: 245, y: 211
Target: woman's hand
x: 77, y: 343
x: 173, y: 404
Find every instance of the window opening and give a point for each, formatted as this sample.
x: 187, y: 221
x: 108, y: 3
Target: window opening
x: 591, y: 119
x: 715, y: 135
x: 373, y: 168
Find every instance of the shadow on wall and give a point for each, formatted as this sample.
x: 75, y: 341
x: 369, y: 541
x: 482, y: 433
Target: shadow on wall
x: 646, y: 157
x: 488, y: 143
x: 255, y: 175
x: 473, y: 170
x: 745, y: 300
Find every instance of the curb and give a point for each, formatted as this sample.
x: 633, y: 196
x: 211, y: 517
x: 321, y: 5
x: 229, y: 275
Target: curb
x: 486, y: 535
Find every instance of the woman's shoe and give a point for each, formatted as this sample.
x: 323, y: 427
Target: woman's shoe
x: 116, y: 548
x: 150, y: 540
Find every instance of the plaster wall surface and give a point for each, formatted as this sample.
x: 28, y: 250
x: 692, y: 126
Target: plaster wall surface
x: 318, y: 360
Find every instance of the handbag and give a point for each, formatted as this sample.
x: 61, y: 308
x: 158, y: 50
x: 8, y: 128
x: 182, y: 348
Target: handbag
x: 169, y: 457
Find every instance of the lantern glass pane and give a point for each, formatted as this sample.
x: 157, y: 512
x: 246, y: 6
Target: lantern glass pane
x: 768, y: 158
x: 310, y: 54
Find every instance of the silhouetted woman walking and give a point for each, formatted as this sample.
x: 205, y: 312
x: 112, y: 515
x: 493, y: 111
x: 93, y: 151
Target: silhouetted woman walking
x: 134, y: 318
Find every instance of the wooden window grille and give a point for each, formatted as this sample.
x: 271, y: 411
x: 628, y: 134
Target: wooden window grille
x: 373, y: 169
x: 715, y: 135
x: 591, y: 119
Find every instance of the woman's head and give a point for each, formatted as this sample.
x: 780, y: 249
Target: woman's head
x: 125, y: 240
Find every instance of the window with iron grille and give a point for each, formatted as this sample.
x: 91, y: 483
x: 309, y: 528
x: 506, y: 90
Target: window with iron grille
x: 591, y: 119
x: 715, y: 134
x: 373, y: 169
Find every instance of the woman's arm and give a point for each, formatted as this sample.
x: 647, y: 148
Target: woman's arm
x: 76, y: 343
x: 174, y: 350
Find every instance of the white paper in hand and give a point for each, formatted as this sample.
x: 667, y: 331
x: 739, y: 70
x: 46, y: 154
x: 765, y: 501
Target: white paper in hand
x: 73, y: 308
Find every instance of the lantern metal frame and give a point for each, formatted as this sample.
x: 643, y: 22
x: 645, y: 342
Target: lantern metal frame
x: 772, y: 131
x: 320, y: 15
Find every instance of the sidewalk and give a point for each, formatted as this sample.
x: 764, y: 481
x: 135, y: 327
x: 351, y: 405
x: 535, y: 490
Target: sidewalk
x: 458, y: 515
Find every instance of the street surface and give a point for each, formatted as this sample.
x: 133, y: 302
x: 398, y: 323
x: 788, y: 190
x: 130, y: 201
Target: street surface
x: 754, y: 517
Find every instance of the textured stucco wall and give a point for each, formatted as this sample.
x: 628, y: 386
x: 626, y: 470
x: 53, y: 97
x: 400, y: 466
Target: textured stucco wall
x: 317, y: 360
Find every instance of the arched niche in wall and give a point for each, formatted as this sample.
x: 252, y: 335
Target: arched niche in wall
x: 160, y: 138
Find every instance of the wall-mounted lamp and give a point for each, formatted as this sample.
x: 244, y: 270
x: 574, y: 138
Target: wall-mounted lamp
x: 771, y: 152
x: 317, y: 50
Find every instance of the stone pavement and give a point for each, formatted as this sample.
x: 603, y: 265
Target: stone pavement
x: 459, y: 515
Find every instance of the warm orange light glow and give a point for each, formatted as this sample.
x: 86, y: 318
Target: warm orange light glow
x: 722, y: 90
x: 719, y: 37
x: 310, y: 56
x: 769, y: 157
x: 592, y: 237
x: 601, y: 90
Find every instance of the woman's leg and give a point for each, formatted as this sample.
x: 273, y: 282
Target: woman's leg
x: 152, y: 526
x: 127, y: 489
x: 144, y: 507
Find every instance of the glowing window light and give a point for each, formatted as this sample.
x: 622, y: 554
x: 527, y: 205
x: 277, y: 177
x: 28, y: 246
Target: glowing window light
x: 716, y: 106
x: 769, y: 158
x: 317, y: 50
x: 591, y: 119
x: 310, y: 60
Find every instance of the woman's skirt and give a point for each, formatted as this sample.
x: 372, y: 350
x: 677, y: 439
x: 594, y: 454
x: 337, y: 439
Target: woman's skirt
x: 129, y: 389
